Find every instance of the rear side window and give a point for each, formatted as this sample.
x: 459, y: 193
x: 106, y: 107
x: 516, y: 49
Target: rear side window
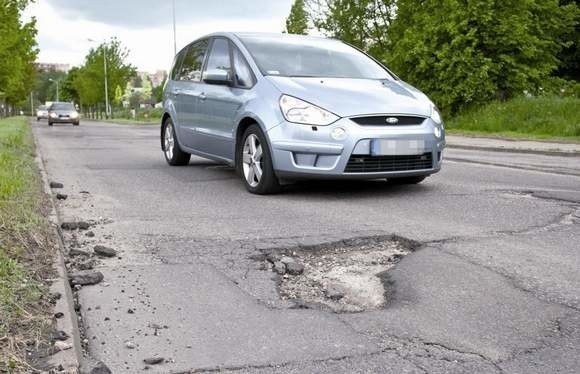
x: 244, y: 76
x: 177, y: 64
x: 219, y: 58
x: 193, y: 62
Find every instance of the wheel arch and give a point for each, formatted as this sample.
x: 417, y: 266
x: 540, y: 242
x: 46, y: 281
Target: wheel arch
x: 165, y: 117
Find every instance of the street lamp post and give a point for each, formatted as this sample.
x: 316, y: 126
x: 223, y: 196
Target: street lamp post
x: 57, y: 88
x: 107, y: 108
x: 174, y: 32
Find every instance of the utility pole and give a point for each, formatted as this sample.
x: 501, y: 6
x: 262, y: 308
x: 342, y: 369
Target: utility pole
x: 174, y: 32
x: 107, y: 109
x: 57, y: 88
x: 31, y: 104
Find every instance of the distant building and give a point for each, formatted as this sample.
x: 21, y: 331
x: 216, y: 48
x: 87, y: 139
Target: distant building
x: 47, y: 66
x: 158, y: 77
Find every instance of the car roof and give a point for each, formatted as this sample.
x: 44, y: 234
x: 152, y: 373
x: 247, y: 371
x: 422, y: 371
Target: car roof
x: 269, y: 35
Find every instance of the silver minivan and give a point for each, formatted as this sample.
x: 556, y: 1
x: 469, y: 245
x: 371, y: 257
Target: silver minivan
x: 282, y: 107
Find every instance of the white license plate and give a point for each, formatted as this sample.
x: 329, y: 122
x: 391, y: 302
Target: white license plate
x: 387, y: 147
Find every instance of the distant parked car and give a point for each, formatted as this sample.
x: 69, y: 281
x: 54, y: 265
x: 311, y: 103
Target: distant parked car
x: 283, y: 107
x: 41, y: 112
x: 63, y: 113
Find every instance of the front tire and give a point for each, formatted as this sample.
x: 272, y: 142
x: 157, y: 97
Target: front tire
x: 171, y: 149
x: 76, y: 123
x: 254, y: 162
x: 407, y: 180
x: 49, y: 123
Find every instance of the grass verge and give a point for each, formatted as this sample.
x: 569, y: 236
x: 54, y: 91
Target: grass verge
x: 539, y: 118
x: 26, y: 251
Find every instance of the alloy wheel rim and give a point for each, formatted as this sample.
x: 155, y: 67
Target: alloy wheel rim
x: 252, y: 160
x: 169, y: 142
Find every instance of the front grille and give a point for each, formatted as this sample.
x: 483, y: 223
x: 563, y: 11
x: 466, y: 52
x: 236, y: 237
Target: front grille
x: 382, y: 121
x: 382, y: 164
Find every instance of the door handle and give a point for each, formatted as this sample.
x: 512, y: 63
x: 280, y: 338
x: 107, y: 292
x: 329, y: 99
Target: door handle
x: 202, y: 96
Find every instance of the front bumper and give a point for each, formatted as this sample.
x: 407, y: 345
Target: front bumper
x: 63, y: 119
x: 301, y: 151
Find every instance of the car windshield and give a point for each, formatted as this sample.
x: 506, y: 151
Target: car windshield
x: 62, y: 106
x: 312, y: 57
x: 42, y: 107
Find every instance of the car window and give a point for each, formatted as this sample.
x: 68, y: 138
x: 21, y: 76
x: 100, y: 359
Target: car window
x: 177, y: 64
x: 193, y: 62
x: 62, y: 106
x: 312, y: 57
x: 243, y: 73
x: 219, y: 58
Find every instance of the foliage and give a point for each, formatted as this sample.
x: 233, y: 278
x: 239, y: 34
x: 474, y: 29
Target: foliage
x: 45, y: 88
x: 17, y: 52
x: 470, y: 52
x: 157, y: 93
x: 68, y: 90
x: 89, y: 82
x: 538, y: 117
x: 362, y: 23
x: 297, y: 21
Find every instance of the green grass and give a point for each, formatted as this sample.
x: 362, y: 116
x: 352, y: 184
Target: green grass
x: 549, y: 118
x: 25, y: 246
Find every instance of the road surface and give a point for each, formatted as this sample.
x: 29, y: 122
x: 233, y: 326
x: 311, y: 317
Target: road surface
x: 494, y: 288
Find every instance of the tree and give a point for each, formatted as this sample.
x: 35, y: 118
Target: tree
x: 297, y: 21
x: 473, y: 51
x: 90, y: 80
x: 570, y: 55
x: 362, y: 23
x: 45, y: 88
x: 17, y: 52
x: 158, y: 91
x: 68, y: 91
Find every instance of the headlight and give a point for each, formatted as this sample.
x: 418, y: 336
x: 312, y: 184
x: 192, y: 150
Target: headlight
x: 53, y: 115
x: 435, y: 115
x: 299, y: 111
x: 74, y: 115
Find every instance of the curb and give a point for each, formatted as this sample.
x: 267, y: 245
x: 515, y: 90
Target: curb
x: 69, y: 359
x: 554, y: 152
x: 125, y: 122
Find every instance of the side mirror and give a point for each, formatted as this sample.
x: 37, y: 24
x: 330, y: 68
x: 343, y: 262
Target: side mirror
x: 217, y: 76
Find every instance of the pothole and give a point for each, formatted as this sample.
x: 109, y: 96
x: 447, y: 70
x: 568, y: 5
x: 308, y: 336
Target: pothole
x: 345, y: 277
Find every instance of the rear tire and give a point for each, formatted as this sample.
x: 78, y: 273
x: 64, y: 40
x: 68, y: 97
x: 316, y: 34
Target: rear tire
x: 407, y: 180
x: 254, y: 163
x: 170, y: 145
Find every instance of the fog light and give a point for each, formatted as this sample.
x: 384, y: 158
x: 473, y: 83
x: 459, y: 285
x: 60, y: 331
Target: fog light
x: 437, y: 132
x: 338, y: 133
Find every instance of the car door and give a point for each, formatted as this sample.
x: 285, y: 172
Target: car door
x: 218, y: 104
x: 187, y: 89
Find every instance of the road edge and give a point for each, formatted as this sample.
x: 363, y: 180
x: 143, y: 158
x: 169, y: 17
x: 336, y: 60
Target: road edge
x: 514, y: 150
x: 69, y: 359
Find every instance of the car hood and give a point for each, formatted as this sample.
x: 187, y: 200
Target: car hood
x: 353, y: 97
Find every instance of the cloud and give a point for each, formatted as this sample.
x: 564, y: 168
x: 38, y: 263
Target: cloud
x: 65, y: 25
x: 152, y: 13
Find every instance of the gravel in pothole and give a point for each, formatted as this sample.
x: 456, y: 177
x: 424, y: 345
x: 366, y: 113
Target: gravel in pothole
x: 344, y: 277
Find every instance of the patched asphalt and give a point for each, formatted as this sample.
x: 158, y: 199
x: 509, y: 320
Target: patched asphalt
x: 494, y: 288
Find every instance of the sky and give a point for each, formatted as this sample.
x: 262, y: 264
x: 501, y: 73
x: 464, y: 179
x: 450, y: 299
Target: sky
x: 144, y: 26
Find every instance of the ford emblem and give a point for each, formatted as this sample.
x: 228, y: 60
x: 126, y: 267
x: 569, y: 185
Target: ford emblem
x: 392, y: 120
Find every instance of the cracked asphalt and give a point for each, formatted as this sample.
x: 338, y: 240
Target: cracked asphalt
x: 495, y: 287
